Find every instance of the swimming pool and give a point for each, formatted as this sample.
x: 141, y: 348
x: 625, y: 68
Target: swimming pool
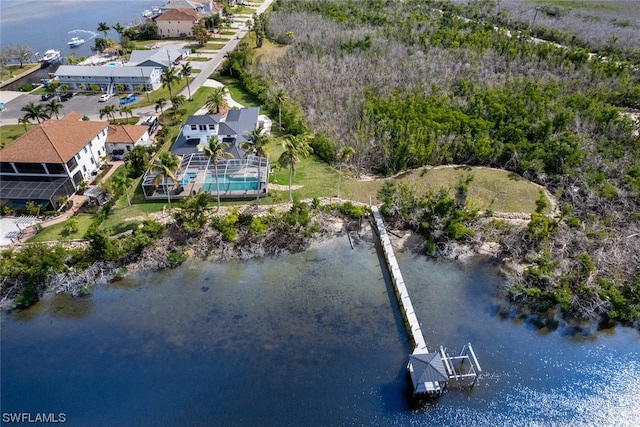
x: 227, y: 183
x: 187, y: 178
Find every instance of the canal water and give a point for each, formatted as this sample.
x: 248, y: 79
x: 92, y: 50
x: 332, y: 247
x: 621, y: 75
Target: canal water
x: 313, y: 338
x: 44, y: 25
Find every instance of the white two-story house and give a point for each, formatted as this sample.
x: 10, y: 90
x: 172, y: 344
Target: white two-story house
x: 49, y: 162
x: 177, y: 22
x: 233, y: 130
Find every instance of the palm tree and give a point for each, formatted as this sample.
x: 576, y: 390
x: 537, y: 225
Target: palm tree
x: 258, y: 140
x: 24, y: 122
x: 160, y: 103
x: 185, y: 72
x: 35, y: 111
x: 53, y: 107
x: 109, y: 111
x: 120, y: 183
x: 137, y: 160
x: 165, y: 165
x: 294, y: 147
x: 215, y: 149
x: 169, y: 78
x: 71, y: 59
x: 126, y: 110
x: 281, y: 96
x: 216, y: 99
x: 102, y: 26
x: 177, y: 102
x: 343, y: 156
x: 119, y: 29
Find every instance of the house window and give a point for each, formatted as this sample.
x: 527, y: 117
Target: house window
x: 212, y: 127
x: 203, y: 128
x: 84, y: 149
x: 194, y: 127
x: 92, y: 162
x: 84, y: 168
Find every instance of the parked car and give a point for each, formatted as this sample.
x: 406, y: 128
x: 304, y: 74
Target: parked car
x: 104, y: 97
x: 127, y: 99
x: 66, y: 96
x: 47, y: 96
x: 151, y: 122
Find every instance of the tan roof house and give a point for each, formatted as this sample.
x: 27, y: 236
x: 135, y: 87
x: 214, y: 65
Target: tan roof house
x: 177, y: 22
x: 51, y: 160
x: 123, y: 138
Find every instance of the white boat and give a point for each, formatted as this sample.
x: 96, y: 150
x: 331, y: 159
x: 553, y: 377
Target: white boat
x: 50, y: 56
x: 75, y: 42
x: 147, y: 13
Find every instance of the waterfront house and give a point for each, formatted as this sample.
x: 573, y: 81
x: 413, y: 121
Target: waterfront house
x: 49, y: 162
x: 123, y: 138
x: 243, y: 176
x: 177, y: 22
x: 233, y: 130
x: 80, y: 78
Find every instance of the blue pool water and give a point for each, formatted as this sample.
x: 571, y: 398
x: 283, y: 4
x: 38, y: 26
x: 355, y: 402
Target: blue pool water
x: 187, y: 177
x: 227, y: 183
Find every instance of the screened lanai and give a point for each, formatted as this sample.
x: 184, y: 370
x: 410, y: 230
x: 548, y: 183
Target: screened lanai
x: 231, y: 178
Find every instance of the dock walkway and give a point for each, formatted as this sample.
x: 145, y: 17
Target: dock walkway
x: 430, y: 371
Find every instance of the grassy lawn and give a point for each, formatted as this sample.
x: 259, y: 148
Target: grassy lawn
x: 56, y: 231
x: 9, y: 133
x: 214, y: 46
x: 237, y: 91
x: 9, y: 71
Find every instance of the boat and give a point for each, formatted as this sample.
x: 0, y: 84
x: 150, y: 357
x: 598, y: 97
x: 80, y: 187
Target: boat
x: 50, y: 56
x: 75, y: 42
x: 147, y: 13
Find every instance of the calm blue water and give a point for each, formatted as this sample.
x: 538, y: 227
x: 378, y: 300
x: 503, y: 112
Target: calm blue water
x: 305, y: 339
x: 44, y: 25
x: 50, y: 24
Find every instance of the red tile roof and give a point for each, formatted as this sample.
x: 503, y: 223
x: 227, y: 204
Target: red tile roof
x: 179, y: 14
x: 125, y: 134
x: 53, y: 141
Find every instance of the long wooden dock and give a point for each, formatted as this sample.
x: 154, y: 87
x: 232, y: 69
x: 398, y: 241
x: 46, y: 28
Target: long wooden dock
x: 430, y: 371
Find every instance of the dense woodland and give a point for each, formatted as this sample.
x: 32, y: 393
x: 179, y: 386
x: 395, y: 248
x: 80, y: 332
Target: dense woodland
x: 418, y: 83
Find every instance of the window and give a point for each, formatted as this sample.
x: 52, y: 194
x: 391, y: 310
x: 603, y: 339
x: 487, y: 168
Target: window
x: 92, y: 162
x: 194, y: 127
x: 212, y: 127
x: 84, y: 149
x: 84, y: 168
x: 203, y: 128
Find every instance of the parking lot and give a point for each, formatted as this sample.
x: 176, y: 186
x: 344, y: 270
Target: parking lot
x: 87, y: 105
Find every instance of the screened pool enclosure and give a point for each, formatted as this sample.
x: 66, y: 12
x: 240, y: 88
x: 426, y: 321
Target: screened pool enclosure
x: 231, y: 178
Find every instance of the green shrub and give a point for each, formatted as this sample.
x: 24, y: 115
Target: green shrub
x: 352, y: 211
x: 257, y: 227
x: 176, y: 258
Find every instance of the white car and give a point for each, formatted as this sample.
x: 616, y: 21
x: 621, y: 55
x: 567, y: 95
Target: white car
x: 105, y: 97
